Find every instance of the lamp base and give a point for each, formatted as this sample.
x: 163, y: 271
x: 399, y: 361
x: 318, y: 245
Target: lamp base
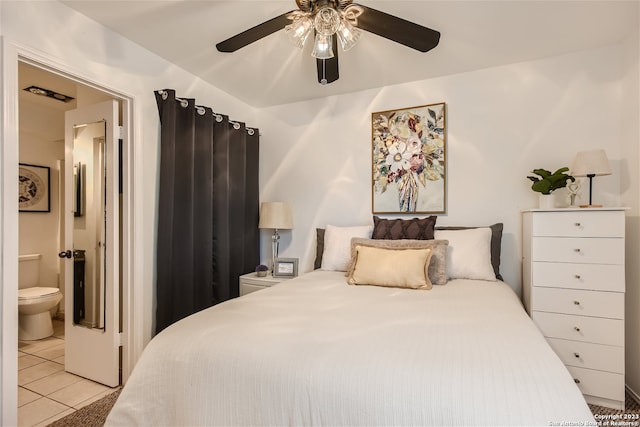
x: 591, y: 206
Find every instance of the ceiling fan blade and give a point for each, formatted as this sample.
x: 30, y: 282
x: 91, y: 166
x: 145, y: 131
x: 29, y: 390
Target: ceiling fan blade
x: 254, y: 34
x: 328, y: 68
x: 397, y: 29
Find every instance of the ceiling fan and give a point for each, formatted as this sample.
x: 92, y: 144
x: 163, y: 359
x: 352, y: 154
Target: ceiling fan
x: 332, y: 21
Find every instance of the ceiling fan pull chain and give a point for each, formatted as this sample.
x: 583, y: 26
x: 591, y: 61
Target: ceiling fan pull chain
x: 324, y: 74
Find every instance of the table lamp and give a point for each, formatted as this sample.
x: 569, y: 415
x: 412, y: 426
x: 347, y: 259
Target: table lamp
x: 277, y: 216
x: 590, y: 164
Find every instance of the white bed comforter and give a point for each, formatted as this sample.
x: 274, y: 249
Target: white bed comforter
x: 316, y: 351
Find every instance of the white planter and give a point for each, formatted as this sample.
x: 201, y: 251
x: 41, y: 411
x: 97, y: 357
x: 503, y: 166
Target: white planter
x: 546, y: 201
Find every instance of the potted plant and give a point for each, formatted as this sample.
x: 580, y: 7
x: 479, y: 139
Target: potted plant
x: 261, y: 270
x: 546, y: 183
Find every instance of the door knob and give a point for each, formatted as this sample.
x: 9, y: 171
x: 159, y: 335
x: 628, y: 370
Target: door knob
x: 66, y: 254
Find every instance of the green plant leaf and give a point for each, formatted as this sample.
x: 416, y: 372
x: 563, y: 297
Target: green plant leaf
x: 549, y: 182
x: 542, y: 186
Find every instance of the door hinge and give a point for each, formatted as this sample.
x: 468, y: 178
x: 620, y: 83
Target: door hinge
x: 121, y: 339
x: 120, y: 132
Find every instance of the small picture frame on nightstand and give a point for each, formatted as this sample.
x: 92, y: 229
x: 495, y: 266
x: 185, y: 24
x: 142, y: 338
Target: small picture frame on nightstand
x: 285, y: 267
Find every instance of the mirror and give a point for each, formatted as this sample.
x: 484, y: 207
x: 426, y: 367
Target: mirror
x: 89, y: 227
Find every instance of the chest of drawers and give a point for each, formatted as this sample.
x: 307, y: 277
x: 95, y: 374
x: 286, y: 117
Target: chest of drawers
x: 573, y: 289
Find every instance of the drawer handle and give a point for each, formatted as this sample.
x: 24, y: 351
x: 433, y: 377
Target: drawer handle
x: 575, y: 328
x: 577, y: 355
x: 577, y: 381
x: 576, y: 302
x: 577, y: 250
x: 577, y: 224
x: 577, y: 276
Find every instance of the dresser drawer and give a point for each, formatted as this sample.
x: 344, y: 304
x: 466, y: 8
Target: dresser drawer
x: 579, y: 224
x: 587, y: 355
x: 579, y: 302
x: 580, y: 328
x: 599, y: 277
x: 578, y: 250
x: 598, y: 383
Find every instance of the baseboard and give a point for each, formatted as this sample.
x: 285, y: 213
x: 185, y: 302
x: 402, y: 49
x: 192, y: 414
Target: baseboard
x: 635, y: 396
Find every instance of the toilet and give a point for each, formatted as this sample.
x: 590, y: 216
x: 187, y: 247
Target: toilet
x: 36, y: 304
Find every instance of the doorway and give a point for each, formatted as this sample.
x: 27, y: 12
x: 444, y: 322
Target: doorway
x: 131, y: 304
x: 132, y: 338
x: 45, y: 99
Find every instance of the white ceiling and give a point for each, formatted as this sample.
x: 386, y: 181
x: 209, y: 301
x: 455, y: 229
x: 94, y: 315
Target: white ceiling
x: 475, y: 34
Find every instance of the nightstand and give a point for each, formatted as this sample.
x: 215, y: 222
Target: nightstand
x: 573, y: 288
x: 250, y: 282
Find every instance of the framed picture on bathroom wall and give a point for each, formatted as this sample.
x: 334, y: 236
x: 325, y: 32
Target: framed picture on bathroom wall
x: 34, y: 183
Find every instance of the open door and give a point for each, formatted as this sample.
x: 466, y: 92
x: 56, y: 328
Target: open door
x: 91, y: 243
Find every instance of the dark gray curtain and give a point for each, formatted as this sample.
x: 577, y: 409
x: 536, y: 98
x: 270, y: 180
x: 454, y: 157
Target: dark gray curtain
x: 208, y: 207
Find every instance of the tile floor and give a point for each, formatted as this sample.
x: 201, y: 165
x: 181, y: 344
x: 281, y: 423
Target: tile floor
x: 46, y: 392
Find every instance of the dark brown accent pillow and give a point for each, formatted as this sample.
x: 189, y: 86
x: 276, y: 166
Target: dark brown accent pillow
x: 396, y: 229
x: 496, y: 244
x: 319, y: 248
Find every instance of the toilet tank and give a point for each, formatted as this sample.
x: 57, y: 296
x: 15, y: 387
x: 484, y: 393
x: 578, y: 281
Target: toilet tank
x: 28, y: 270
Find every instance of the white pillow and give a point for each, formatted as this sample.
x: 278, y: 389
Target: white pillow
x: 468, y: 253
x: 337, y: 245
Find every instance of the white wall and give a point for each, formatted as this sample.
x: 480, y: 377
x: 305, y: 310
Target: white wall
x: 38, y: 231
x: 630, y: 187
x: 501, y: 123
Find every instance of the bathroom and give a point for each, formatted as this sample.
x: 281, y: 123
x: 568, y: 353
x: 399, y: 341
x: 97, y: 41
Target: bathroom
x: 41, y: 226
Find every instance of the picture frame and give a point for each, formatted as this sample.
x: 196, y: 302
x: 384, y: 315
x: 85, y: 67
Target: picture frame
x: 409, y: 170
x: 285, y: 267
x: 34, y: 185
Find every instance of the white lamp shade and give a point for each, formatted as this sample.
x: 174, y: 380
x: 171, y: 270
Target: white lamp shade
x: 594, y: 162
x: 276, y: 215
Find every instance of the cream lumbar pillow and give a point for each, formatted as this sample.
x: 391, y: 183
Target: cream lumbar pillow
x: 437, y: 264
x: 398, y: 267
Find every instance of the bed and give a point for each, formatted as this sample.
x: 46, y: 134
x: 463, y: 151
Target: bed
x: 315, y: 350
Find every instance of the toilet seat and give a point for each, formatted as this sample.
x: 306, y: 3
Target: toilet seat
x: 36, y: 293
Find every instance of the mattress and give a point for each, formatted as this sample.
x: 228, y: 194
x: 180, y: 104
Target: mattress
x: 316, y: 351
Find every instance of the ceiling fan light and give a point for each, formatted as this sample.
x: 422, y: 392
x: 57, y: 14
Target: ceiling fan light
x: 323, y: 47
x: 298, y: 31
x: 348, y: 35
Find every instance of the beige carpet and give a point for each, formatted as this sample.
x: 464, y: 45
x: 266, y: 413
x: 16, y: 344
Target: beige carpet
x: 92, y: 415
x: 612, y: 415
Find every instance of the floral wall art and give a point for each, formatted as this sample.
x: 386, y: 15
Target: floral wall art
x: 409, y: 168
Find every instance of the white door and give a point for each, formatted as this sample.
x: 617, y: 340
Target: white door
x: 91, y: 270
